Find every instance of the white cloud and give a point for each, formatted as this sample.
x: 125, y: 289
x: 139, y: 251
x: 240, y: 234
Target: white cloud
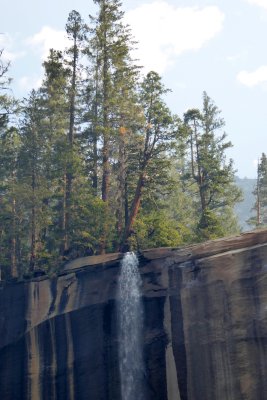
x: 235, y: 57
x: 260, y: 3
x: 27, y: 83
x: 164, y: 31
x: 7, y: 44
x: 47, y: 39
x: 253, y: 78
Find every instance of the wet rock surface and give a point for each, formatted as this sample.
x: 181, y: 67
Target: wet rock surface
x: 205, y: 335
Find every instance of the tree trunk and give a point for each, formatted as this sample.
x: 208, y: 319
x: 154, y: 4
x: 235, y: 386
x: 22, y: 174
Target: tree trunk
x: 106, y: 148
x: 199, y: 178
x: 105, y: 193
x: 258, y: 199
x: 94, y: 132
x: 14, y: 269
x: 33, y: 223
x: 106, y: 144
x: 95, y: 163
x: 64, y: 212
x: 69, y: 174
x: 121, y: 183
x: 134, y: 211
x: 106, y: 172
x: 126, y: 203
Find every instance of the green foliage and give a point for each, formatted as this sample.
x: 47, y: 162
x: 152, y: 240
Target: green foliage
x: 7, y: 102
x: 88, y: 221
x: 97, y: 159
x: 259, y: 219
x: 213, y: 226
x: 209, y: 226
x: 209, y: 170
x: 156, y: 229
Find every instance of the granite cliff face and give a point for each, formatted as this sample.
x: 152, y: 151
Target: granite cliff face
x: 205, y: 332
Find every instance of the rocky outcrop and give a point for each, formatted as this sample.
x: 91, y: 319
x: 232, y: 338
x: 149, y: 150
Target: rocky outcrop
x: 205, y: 335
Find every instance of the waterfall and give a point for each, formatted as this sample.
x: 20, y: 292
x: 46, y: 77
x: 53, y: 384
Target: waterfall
x: 130, y: 317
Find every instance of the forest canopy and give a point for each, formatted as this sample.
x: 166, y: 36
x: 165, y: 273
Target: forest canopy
x: 94, y: 161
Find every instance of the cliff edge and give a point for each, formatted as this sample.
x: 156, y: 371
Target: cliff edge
x: 205, y: 332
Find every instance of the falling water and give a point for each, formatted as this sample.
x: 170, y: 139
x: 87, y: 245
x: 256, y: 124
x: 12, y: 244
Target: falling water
x: 130, y: 329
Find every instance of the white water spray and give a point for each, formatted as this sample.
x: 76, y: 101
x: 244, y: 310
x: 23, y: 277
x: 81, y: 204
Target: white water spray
x: 130, y: 329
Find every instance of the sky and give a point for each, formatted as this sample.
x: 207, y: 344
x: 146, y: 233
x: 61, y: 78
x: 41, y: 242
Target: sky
x: 196, y: 45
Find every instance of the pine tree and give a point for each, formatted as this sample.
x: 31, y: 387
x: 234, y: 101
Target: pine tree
x: 156, y: 136
x: 101, y: 164
x: 260, y: 193
x: 7, y: 102
x: 9, y: 145
x: 55, y: 104
x: 210, y: 170
x: 262, y: 184
x: 76, y: 30
x: 113, y: 105
x: 31, y: 157
x: 10, y: 202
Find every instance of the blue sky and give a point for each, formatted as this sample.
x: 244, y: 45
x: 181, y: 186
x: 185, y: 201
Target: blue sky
x: 196, y: 45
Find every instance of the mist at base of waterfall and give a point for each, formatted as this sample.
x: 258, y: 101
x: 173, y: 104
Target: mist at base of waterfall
x: 130, y: 319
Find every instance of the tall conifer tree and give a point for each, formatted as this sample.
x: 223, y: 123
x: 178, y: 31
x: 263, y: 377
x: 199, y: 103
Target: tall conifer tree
x: 212, y: 173
x: 156, y: 135
x: 9, y: 147
x: 260, y: 193
x: 115, y: 78
x: 76, y: 30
